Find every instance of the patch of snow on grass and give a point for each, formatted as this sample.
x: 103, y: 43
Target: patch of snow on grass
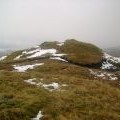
x: 26, y: 67
x: 112, y: 76
x: 18, y: 57
x: 107, y: 65
x: 32, y: 51
x: 51, y: 87
x: 2, y: 58
x: 40, y: 52
x: 60, y: 43
x: 29, y: 52
x: 111, y: 58
x: 39, y: 116
x: 24, y: 52
x: 58, y: 55
x: 31, y: 81
x: 103, y: 75
x: 58, y: 58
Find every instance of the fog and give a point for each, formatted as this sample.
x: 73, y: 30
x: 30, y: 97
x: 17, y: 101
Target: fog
x: 25, y: 23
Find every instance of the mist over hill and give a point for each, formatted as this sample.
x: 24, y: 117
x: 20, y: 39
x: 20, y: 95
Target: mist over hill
x: 4, y: 52
x: 114, y: 51
x: 25, y: 22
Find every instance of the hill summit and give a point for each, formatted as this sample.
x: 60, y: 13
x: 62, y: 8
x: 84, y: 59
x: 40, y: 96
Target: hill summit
x: 77, y: 52
x: 72, y: 50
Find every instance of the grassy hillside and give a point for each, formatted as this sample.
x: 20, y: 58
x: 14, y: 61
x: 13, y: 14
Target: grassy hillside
x: 10, y: 57
x: 84, y: 98
x: 79, y: 96
x: 77, y: 52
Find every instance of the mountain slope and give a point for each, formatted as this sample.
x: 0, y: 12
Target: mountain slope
x: 74, y: 51
x: 77, y: 52
x: 42, y: 83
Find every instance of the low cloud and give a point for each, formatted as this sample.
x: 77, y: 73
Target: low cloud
x: 24, y: 23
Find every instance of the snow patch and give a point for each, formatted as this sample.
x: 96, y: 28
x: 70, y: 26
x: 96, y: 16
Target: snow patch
x: 32, y: 51
x: 2, y: 58
x: 60, y: 43
x: 103, y: 75
x: 109, y: 62
x: 26, y: 67
x: 18, y: 57
x: 107, y: 65
x: 31, y: 81
x: 111, y: 58
x: 24, y: 52
x: 58, y: 55
x: 51, y: 87
x: 40, y: 52
x: 39, y: 116
x: 58, y: 58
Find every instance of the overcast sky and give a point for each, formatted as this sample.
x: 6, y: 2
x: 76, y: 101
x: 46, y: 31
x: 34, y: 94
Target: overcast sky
x: 25, y: 23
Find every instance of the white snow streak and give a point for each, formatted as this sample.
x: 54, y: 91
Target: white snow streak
x: 2, y: 58
x: 107, y: 65
x: 23, y: 68
x: 31, y: 81
x: 60, y: 43
x: 103, y: 75
x: 58, y: 58
x: 39, y: 115
x: 18, y: 57
x: 40, y: 52
x: 51, y: 87
x: 110, y: 61
x: 111, y: 58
